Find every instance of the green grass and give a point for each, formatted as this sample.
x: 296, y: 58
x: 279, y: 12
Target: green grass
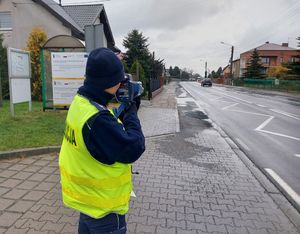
x: 30, y: 129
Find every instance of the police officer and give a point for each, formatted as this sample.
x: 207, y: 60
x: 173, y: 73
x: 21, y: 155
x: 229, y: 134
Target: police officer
x: 98, y: 148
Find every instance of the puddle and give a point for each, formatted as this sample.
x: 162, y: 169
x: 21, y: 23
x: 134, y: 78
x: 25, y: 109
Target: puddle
x: 181, y: 149
x: 197, y: 114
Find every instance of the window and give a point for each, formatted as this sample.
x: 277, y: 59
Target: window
x: 281, y: 60
x: 265, y: 60
x: 5, y: 20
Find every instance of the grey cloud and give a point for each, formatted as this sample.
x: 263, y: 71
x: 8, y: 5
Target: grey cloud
x: 167, y: 15
x: 185, y: 31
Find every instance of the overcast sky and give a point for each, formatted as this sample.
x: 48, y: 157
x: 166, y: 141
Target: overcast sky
x: 187, y: 33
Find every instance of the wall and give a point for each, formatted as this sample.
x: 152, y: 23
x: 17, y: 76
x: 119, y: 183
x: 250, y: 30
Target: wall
x: 25, y: 15
x: 6, y: 5
x: 236, y: 69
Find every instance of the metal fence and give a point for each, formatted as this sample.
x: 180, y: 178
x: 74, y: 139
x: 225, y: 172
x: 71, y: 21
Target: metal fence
x: 270, y: 84
x: 154, y: 84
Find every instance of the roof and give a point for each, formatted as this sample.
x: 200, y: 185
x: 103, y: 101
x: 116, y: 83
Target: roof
x: 63, y: 41
x: 88, y: 14
x: 225, y: 68
x: 84, y: 14
x: 273, y: 46
x: 78, y: 16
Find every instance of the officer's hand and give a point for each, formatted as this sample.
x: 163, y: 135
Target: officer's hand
x: 131, y: 107
x: 137, y: 101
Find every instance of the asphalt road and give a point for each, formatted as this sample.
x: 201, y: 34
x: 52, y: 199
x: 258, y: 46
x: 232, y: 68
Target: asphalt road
x: 266, y: 126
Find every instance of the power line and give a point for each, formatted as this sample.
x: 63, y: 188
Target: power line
x: 287, y: 14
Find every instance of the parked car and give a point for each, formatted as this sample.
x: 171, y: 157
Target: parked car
x: 206, y: 82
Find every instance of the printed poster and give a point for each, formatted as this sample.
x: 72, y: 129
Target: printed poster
x: 68, y: 74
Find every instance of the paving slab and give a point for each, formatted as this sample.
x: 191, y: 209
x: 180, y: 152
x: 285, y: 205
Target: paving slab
x: 189, y: 182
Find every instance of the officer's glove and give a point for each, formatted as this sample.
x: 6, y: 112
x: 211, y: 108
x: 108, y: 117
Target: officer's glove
x: 137, y: 101
x: 131, y: 107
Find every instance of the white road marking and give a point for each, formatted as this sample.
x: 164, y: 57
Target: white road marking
x: 264, y: 123
x: 284, y: 185
x: 216, y: 99
x: 286, y: 114
x: 236, y: 98
x: 261, y: 105
x: 243, y: 144
x: 297, y: 155
x: 232, y: 105
x: 251, y: 113
x: 279, y: 134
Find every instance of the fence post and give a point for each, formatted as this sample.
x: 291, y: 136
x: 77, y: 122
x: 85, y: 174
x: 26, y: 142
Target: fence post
x: 43, y: 79
x: 1, y: 100
x: 149, y: 88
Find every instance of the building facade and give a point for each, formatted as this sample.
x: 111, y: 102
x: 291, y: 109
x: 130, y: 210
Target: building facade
x: 271, y: 55
x: 236, y: 69
x: 18, y: 18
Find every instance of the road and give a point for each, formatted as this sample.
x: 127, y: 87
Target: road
x: 266, y: 126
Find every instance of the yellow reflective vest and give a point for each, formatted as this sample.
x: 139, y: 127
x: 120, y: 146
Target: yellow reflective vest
x: 89, y: 186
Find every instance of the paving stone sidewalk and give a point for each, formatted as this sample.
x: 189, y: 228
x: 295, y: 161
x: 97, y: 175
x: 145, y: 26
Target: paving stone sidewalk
x: 160, y: 116
x: 188, y: 182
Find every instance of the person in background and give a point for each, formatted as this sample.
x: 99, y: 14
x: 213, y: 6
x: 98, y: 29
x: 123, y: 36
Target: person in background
x: 98, y: 148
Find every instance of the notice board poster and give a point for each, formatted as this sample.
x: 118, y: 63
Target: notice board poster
x: 20, y: 63
x: 68, y: 70
x: 19, y: 75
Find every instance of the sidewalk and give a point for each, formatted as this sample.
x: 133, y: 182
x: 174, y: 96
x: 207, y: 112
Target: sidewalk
x: 188, y: 182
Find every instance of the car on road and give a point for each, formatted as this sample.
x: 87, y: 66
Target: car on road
x: 206, y: 82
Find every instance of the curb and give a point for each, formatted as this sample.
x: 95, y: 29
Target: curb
x: 177, y: 120
x: 29, y: 152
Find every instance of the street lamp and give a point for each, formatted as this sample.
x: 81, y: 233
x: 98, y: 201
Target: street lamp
x: 231, y: 57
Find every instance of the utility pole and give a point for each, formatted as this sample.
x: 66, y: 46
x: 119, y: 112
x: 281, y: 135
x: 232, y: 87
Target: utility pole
x: 205, y: 76
x: 231, y: 62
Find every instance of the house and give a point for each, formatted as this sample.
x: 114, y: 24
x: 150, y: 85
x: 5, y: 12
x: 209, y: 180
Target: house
x: 271, y: 55
x: 226, y: 72
x: 17, y: 18
x: 236, y: 69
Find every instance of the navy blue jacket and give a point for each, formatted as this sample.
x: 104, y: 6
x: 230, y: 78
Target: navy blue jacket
x: 106, y: 139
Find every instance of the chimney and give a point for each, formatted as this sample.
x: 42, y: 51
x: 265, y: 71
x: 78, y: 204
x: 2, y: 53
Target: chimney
x: 267, y: 42
x: 60, y: 2
x: 285, y: 44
